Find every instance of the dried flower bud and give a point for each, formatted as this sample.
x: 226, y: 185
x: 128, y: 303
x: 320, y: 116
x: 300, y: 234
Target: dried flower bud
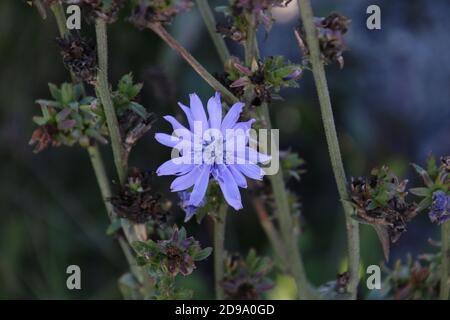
x: 68, y: 119
x: 172, y: 256
x: 107, y: 10
x: 79, y: 56
x: 261, y: 81
x: 380, y: 200
x: 157, y: 11
x: 246, y: 279
x: 330, y: 31
x: 137, y: 202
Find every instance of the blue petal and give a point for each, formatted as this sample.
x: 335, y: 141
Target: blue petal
x: 232, y: 116
x: 188, y: 114
x: 198, y: 112
x: 215, y: 111
x: 238, y: 177
x: 254, y: 156
x: 174, y: 167
x: 199, y: 191
x: 186, y: 181
x: 251, y: 170
x: 166, y: 140
x: 229, y: 187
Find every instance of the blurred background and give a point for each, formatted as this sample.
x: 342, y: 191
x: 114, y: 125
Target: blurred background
x: 391, y: 104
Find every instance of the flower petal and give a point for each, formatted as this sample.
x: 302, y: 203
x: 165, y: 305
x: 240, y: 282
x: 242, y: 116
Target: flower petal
x: 232, y: 116
x: 229, y: 187
x: 253, y: 156
x: 188, y: 114
x: 175, y: 166
x: 215, y: 111
x: 174, y: 122
x: 167, y: 140
x: 238, y: 177
x: 199, y: 191
x: 251, y: 170
x: 198, y: 112
x: 186, y: 181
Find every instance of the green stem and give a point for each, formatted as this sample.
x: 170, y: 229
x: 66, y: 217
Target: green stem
x: 213, y: 82
x: 332, y: 140
x: 286, y: 223
x: 106, y: 100
x: 219, y: 249
x: 251, y: 45
x: 105, y: 190
x: 58, y: 12
x: 283, y: 211
x: 445, y: 251
x: 210, y: 22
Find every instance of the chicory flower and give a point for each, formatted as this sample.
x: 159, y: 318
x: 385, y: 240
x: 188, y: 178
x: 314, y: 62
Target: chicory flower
x: 216, y: 147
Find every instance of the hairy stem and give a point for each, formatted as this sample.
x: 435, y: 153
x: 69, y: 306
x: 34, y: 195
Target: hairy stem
x: 283, y: 211
x: 105, y: 189
x: 105, y: 97
x: 445, y: 251
x: 219, y: 249
x: 213, y: 82
x: 210, y: 22
x: 332, y: 140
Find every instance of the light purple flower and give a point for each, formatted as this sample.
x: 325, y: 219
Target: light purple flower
x: 216, y: 147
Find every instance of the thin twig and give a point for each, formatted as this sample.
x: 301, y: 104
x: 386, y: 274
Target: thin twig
x: 213, y: 82
x: 332, y: 140
x: 210, y: 22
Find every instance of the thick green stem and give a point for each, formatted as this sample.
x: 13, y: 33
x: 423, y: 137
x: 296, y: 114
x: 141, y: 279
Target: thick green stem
x: 286, y: 223
x: 106, y: 100
x: 283, y: 211
x: 445, y: 251
x: 210, y: 22
x: 219, y: 249
x: 332, y: 140
x: 213, y: 82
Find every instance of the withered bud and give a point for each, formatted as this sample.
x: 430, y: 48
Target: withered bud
x: 137, y: 202
x: 80, y: 57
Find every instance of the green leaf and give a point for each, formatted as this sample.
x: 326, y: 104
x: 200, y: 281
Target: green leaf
x: 114, y: 226
x: 48, y: 103
x: 55, y: 92
x: 138, y: 109
x: 202, y: 254
x: 424, y: 204
x: 140, y: 247
x: 40, y: 121
x: 421, y: 192
x: 421, y: 171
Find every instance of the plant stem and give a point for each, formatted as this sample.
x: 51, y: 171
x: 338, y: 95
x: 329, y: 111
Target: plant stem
x: 213, y: 82
x: 58, y: 12
x: 105, y: 189
x: 445, y: 251
x: 284, y: 217
x: 219, y: 249
x: 106, y: 100
x: 210, y: 22
x: 272, y: 233
x: 283, y: 211
x: 332, y: 140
